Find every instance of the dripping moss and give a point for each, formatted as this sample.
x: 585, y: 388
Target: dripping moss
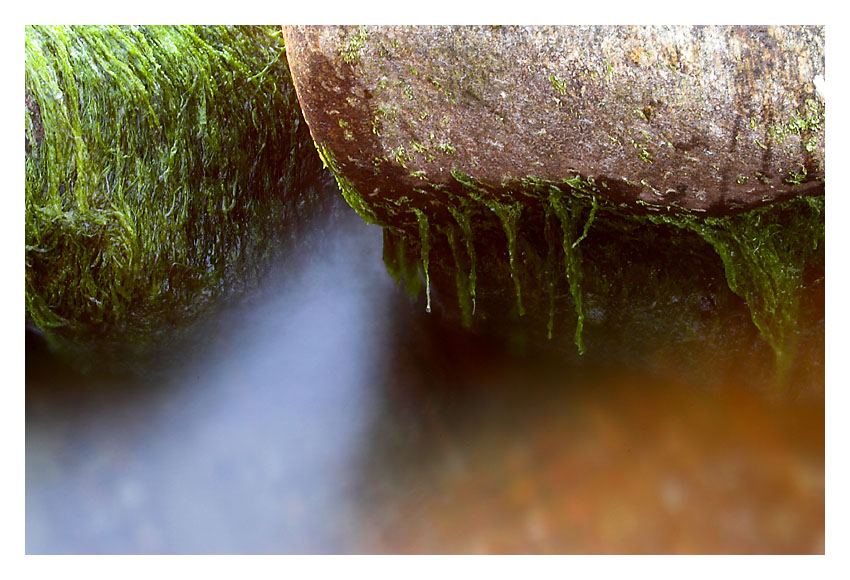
x: 401, y: 261
x: 425, y: 252
x: 461, y: 216
x: 464, y: 294
x: 349, y: 192
x: 764, y: 252
x: 509, y: 215
x: 569, y: 213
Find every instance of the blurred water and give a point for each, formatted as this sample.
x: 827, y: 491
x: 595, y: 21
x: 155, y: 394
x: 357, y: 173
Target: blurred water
x: 328, y: 413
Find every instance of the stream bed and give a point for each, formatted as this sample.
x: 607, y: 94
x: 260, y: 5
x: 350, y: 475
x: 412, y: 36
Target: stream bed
x: 327, y: 412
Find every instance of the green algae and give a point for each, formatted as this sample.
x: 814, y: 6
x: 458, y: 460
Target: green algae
x: 764, y: 251
x: 348, y: 190
x: 558, y: 84
x: 356, y: 41
x: 425, y: 252
x: 155, y: 162
x: 806, y: 124
x: 764, y: 254
x: 465, y: 296
x: 463, y: 221
x: 569, y: 212
x: 401, y: 261
x: 509, y: 214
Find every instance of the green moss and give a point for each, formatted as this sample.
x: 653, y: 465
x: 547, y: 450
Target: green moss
x: 569, y: 211
x: 764, y: 254
x: 763, y: 251
x: 418, y: 147
x: 425, y: 252
x: 643, y: 152
x: 402, y: 156
x: 401, y: 261
x: 155, y: 159
x: 462, y: 218
x: 348, y: 190
x: 356, y: 41
x: 465, y: 180
x: 806, y: 123
x: 464, y: 296
x: 509, y: 215
x: 795, y: 178
x: 558, y: 84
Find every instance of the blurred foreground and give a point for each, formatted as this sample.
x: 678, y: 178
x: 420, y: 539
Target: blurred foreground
x: 328, y: 413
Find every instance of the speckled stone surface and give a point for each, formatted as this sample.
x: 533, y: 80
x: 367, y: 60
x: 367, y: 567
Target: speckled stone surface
x: 702, y: 119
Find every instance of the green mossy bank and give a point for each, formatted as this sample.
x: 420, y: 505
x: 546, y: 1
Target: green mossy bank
x: 162, y: 167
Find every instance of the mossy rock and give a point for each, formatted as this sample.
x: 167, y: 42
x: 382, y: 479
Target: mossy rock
x: 162, y: 168
x: 523, y: 170
x: 703, y: 119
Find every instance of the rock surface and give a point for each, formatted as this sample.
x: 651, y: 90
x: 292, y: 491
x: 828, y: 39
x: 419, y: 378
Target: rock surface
x: 699, y: 119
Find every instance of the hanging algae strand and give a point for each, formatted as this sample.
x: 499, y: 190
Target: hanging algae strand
x: 508, y: 215
x: 463, y: 221
x: 549, y: 270
x: 400, y: 263
x: 764, y: 254
x: 425, y: 249
x: 569, y: 215
x: 348, y: 190
x: 461, y: 282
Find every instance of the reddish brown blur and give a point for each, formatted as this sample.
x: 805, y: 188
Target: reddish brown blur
x: 632, y: 467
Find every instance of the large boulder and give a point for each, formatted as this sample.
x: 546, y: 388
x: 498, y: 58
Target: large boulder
x: 610, y: 170
x: 698, y: 119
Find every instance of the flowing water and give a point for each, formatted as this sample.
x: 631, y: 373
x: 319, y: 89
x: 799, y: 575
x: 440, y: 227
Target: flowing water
x: 327, y: 412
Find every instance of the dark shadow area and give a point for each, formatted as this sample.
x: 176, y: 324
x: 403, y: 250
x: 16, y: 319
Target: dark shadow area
x: 477, y: 447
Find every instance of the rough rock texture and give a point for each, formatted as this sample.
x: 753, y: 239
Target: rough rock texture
x: 701, y: 119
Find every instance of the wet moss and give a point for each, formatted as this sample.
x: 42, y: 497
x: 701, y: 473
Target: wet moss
x: 157, y: 159
x: 461, y: 216
x: 569, y: 211
x: 425, y: 252
x: 401, y: 261
x: 465, y: 296
x: 348, y: 190
x: 764, y: 252
x: 509, y: 215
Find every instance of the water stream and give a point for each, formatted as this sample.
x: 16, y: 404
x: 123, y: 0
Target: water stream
x: 327, y: 412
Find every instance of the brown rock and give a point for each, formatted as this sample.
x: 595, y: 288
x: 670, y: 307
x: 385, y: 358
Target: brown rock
x: 700, y: 119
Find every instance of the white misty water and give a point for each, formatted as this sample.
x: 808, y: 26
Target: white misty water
x: 328, y: 413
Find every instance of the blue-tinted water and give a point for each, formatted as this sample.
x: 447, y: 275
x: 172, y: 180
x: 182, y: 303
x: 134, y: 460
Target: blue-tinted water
x: 326, y: 412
